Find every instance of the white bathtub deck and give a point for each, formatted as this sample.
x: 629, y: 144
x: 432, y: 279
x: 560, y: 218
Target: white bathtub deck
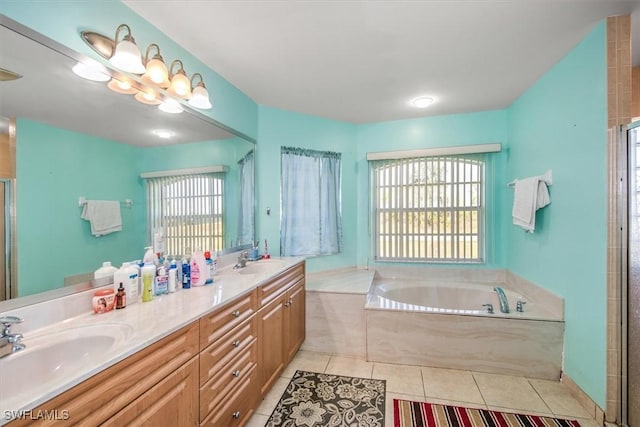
x: 344, y: 281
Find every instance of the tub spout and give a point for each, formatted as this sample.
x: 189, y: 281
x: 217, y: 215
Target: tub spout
x: 504, y: 304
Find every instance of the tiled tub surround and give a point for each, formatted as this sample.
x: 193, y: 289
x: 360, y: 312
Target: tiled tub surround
x: 143, y: 324
x: 528, y: 343
x: 443, y: 324
x: 335, y: 311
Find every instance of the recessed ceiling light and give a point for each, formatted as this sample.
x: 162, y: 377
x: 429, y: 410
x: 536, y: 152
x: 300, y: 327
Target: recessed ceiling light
x: 164, y: 134
x: 422, y: 102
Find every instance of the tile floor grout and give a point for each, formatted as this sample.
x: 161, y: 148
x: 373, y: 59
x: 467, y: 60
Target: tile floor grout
x: 307, y: 360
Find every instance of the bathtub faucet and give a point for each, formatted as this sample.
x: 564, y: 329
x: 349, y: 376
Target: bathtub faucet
x: 504, y: 304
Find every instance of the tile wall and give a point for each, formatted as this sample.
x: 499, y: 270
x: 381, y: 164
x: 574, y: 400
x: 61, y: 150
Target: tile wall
x: 619, y: 113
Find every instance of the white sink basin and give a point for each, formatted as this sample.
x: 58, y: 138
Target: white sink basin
x: 261, y: 267
x: 55, y: 355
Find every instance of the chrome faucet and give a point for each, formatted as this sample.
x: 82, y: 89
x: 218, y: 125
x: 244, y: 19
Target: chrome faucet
x: 9, y: 343
x: 504, y: 304
x: 520, y: 306
x: 242, y: 260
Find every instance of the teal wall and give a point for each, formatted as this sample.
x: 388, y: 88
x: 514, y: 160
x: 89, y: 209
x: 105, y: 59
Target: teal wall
x: 279, y: 128
x: 560, y: 124
x: 54, y: 167
x: 63, y: 20
x: 440, y: 131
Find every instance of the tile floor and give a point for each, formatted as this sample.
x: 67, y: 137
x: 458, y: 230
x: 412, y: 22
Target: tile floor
x: 447, y: 386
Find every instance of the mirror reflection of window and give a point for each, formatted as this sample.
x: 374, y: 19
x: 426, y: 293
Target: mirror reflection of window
x: 189, y: 212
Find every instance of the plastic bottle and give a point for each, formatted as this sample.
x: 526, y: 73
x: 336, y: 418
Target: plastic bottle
x: 173, y: 276
x: 162, y: 281
x: 150, y: 256
x: 186, y: 274
x: 172, y: 280
x: 106, y: 271
x: 210, y: 267
x: 148, y: 276
x: 199, y: 269
x: 128, y: 276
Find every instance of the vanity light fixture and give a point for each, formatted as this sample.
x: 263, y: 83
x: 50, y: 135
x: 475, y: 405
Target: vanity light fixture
x: 422, y: 102
x: 126, y: 54
x: 8, y: 75
x: 200, y: 95
x: 122, y: 86
x: 148, y: 96
x: 91, y: 71
x: 156, y: 73
x: 180, y: 84
x: 170, y: 106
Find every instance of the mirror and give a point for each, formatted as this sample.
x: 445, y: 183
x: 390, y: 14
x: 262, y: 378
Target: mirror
x: 75, y: 139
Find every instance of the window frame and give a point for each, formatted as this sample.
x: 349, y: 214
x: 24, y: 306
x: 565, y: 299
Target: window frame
x: 375, y: 210
x: 158, y: 213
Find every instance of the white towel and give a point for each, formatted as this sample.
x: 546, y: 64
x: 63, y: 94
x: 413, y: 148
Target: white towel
x: 104, y: 216
x: 530, y: 194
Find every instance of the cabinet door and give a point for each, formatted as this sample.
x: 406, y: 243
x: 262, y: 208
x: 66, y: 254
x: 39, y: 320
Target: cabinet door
x: 294, y: 320
x: 171, y: 402
x: 271, y: 343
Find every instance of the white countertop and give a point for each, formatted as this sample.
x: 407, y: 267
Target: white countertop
x: 139, y: 325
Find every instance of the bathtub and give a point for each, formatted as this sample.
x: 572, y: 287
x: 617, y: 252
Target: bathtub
x: 444, y: 324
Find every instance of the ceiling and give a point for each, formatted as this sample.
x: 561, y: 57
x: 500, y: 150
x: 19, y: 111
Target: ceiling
x: 364, y: 61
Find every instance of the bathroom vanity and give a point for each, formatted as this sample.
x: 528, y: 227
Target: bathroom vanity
x: 212, y: 370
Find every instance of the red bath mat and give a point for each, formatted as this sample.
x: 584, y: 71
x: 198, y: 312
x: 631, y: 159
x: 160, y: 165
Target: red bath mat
x: 423, y: 414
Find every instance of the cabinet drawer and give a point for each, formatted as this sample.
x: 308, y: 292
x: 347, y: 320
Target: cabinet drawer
x: 171, y: 402
x: 238, y: 407
x: 221, y: 321
x: 279, y: 284
x: 223, y: 383
x: 218, y: 354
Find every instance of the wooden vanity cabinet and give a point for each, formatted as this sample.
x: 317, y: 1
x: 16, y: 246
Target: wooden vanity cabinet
x: 229, y: 389
x: 212, y: 372
x: 156, y: 386
x: 281, y: 323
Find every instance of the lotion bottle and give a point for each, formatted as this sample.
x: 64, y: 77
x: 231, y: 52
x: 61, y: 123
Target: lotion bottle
x: 148, y: 276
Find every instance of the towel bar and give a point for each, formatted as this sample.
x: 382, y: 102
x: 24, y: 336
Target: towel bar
x: 83, y: 201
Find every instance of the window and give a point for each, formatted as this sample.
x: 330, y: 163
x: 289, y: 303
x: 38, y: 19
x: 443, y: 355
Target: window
x: 311, y: 217
x: 188, y: 210
x: 428, y: 208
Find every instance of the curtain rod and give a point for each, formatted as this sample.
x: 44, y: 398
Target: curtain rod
x: 435, y: 151
x: 189, y: 171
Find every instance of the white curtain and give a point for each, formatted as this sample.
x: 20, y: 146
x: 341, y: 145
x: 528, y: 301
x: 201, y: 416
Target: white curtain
x: 246, y: 211
x: 311, y: 217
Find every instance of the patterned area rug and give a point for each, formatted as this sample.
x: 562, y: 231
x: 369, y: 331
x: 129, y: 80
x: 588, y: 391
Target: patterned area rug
x: 423, y: 414
x: 324, y: 400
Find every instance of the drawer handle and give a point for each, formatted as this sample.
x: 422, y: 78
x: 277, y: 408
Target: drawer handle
x: 236, y: 373
x: 236, y: 313
x: 236, y: 343
x: 287, y: 304
x: 236, y: 415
